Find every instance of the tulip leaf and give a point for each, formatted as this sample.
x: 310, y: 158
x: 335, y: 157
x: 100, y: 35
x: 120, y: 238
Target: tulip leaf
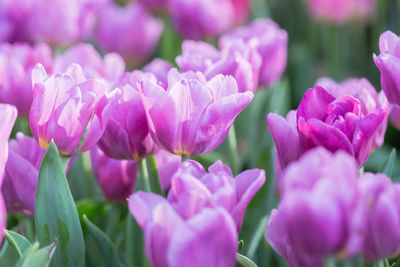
x: 35, y: 257
x: 242, y: 261
x: 107, y: 249
x: 56, y: 216
x: 388, y: 166
x: 17, y: 241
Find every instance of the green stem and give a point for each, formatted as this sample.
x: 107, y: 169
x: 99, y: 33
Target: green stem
x: 233, y: 150
x: 155, y: 178
x: 144, y: 175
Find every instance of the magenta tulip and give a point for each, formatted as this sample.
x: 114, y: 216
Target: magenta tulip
x: 21, y: 176
x: 135, y: 29
x: 8, y: 114
x: 382, y: 200
x: 192, y: 116
x: 208, y: 238
x: 339, y: 11
x: 67, y: 107
x: 167, y: 165
x: 388, y: 63
x: 159, y: 68
x: 126, y: 135
x: 116, y: 177
x: 192, y: 189
x: 271, y: 43
x: 321, y: 212
x: 110, y: 68
x: 323, y: 120
x: 369, y: 99
x: 237, y: 59
x: 207, y: 18
x: 16, y: 64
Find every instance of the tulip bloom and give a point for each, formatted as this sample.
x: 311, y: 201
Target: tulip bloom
x: 369, y: 99
x: 321, y: 212
x: 208, y: 238
x: 192, y: 188
x: 339, y: 11
x: 21, y: 176
x: 8, y: 114
x: 382, y: 200
x: 67, y: 107
x: 237, y: 59
x: 135, y: 29
x: 116, y: 178
x: 192, y: 116
x: 159, y: 68
x: 126, y: 135
x: 271, y: 43
x: 16, y: 64
x: 167, y: 165
x: 388, y: 63
x: 109, y: 68
x: 207, y: 18
x: 395, y: 116
x: 323, y: 120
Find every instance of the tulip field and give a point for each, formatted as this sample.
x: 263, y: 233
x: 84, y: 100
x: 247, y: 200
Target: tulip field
x: 192, y: 133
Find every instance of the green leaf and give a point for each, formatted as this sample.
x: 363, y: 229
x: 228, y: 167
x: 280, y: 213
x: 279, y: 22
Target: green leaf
x: 107, y: 250
x: 56, y: 216
x: 17, y: 241
x: 242, y: 261
x: 37, y: 258
x: 388, y: 166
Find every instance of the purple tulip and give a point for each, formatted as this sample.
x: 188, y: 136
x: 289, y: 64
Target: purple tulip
x: 192, y: 189
x: 127, y: 133
x: 13, y: 26
x: 159, y: 68
x: 65, y: 107
x: 382, y: 200
x: 21, y: 176
x: 320, y: 213
x: 237, y: 59
x: 60, y: 26
x: 192, y: 116
x: 116, y: 177
x: 323, y: 120
x: 134, y: 28
x: 16, y: 64
x: 339, y: 11
x: 271, y: 43
x: 110, y: 68
x: 167, y: 165
x: 208, y: 238
x: 277, y: 236
x: 395, y: 116
x: 207, y: 18
x: 388, y: 63
x: 8, y: 115
x: 369, y: 99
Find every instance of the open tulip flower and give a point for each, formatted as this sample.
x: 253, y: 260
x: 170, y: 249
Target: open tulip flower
x: 388, y: 63
x: 127, y: 134
x: 8, y: 115
x: 324, y: 120
x: 192, y: 116
x: 269, y: 40
x: 66, y: 108
x: 21, y: 176
x: 321, y: 213
x: 237, y: 59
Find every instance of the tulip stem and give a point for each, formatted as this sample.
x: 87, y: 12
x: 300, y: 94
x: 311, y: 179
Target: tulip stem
x: 155, y: 178
x: 144, y: 175
x: 233, y: 150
